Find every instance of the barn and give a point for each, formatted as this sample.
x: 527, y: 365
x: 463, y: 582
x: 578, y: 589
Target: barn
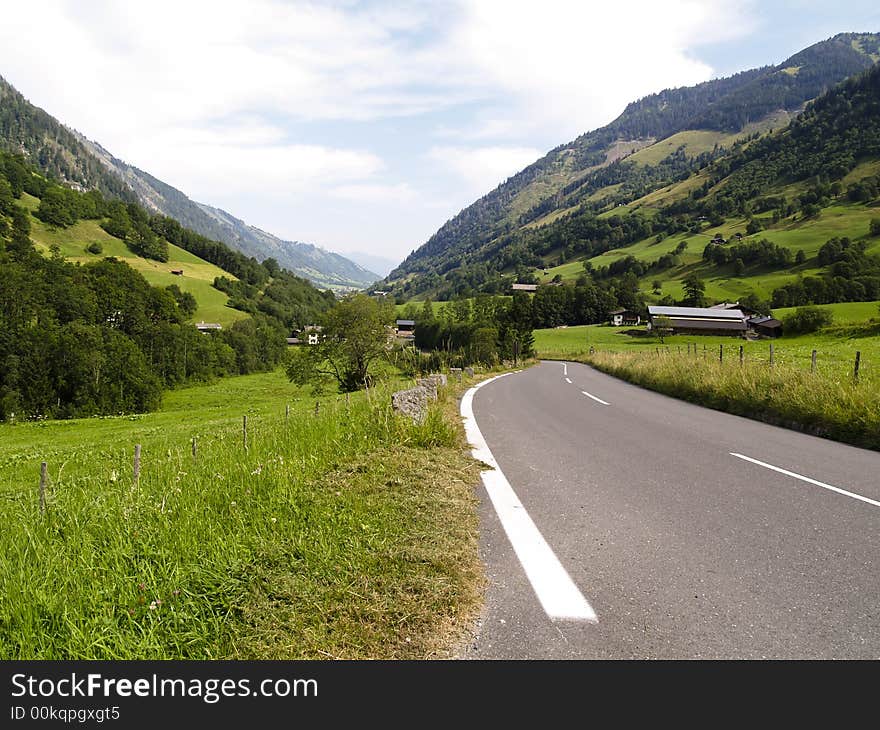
x: 700, y: 320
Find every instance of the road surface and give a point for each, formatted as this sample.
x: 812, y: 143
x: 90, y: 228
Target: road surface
x: 682, y: 532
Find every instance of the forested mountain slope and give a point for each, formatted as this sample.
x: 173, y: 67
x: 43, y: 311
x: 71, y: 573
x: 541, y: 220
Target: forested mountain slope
x: 662, y: 139
x: 84, y: 165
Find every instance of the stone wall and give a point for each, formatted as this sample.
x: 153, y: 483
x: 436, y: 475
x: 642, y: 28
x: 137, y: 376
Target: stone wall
x: 413, y: 402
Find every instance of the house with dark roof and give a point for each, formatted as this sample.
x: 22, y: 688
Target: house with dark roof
x: 700, y: 320
x: 765, y: 326
x: 620, y: 317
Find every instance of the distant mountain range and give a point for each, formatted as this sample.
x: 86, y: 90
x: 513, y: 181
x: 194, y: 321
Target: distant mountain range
x: 371, y: 262
x: 659, y: 140
x: 83, y: 164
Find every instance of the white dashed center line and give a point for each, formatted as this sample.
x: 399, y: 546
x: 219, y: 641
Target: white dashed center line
x: 598, y: 400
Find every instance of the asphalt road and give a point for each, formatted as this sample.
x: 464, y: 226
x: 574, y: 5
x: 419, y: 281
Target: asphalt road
x: 681, y: 549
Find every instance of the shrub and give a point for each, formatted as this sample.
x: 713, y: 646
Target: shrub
x: 95, y: 248
x: 807, y: 319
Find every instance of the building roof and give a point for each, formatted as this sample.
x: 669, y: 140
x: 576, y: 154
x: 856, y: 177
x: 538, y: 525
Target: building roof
x: 696, y: 312
x: 209, y: 326
x: 765, y: 321
x: 736, y: 325
x: 406, y: 322
x: 524, y: 287
x: 623, y: 311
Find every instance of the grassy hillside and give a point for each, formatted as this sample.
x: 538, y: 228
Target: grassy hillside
x: 197, y: 279
x: 841, y: 219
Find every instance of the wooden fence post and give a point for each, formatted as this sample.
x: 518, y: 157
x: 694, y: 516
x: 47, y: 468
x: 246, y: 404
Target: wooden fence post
x: 347, y: 399
x: 856, y: 368
x: 137, y: 463
x: 194, y: 448
x: 287, y: 413
x: 813, y: 362
x: 317, y: 407
x: 741, y: 355
x: 244, y: 431
x: 44, y: 468
x: 721, y: 353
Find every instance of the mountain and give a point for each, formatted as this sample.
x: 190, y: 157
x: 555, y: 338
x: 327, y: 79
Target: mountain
x: 659, y: 140
x: 373, y: 262
x: 85, y: 165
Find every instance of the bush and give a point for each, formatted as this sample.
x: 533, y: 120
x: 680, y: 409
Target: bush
x: 95, y: 248
x: 875, y: 227
x: 807, y: 319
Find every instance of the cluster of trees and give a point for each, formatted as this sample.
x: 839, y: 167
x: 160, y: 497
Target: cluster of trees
x: 81, y: 340
x: 489, y: 330
x: 852, y: 276
x: 750, y: 253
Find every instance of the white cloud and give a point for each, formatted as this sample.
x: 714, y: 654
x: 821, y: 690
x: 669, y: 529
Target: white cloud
x: 572, y: 66
x: 212, y: 96
x: 482, y: 168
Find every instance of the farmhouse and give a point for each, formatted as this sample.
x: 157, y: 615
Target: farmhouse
x: 766, y: 326
x: 177, y: 272
x: 312, y: 333
x: 625, y: 317
x: 700, y: 320
x: 748, y: 311
x: 532, y: 288
x: 208, y: 326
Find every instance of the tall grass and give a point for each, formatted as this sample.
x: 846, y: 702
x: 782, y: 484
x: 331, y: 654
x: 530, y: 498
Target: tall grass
x: 317, y: 540
x: 828, y: 402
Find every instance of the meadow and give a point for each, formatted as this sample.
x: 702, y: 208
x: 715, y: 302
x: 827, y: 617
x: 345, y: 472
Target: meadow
x: 342, y: 531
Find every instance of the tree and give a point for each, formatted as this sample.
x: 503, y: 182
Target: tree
x: 754, y: 226
x: 800, y: 256
x: 695, y: 290
x: 739, y: 268
x: 661, y: 326
x: 875, y: 227
x: 657, y: 286
x: 353, y: 338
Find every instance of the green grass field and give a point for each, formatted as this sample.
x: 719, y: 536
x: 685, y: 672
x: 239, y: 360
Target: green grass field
x: 836, y: 346
x: 350, y: 533
x: 198, y: 275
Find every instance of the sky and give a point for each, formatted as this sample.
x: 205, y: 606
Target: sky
x: 364, y: 126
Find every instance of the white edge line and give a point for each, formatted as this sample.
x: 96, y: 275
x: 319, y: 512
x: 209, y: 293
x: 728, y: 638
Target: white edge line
x: 598, y: 400
x: 806, y: 479
x: 565, y: 368
x: 557, y: 592
x: 568, y: 380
